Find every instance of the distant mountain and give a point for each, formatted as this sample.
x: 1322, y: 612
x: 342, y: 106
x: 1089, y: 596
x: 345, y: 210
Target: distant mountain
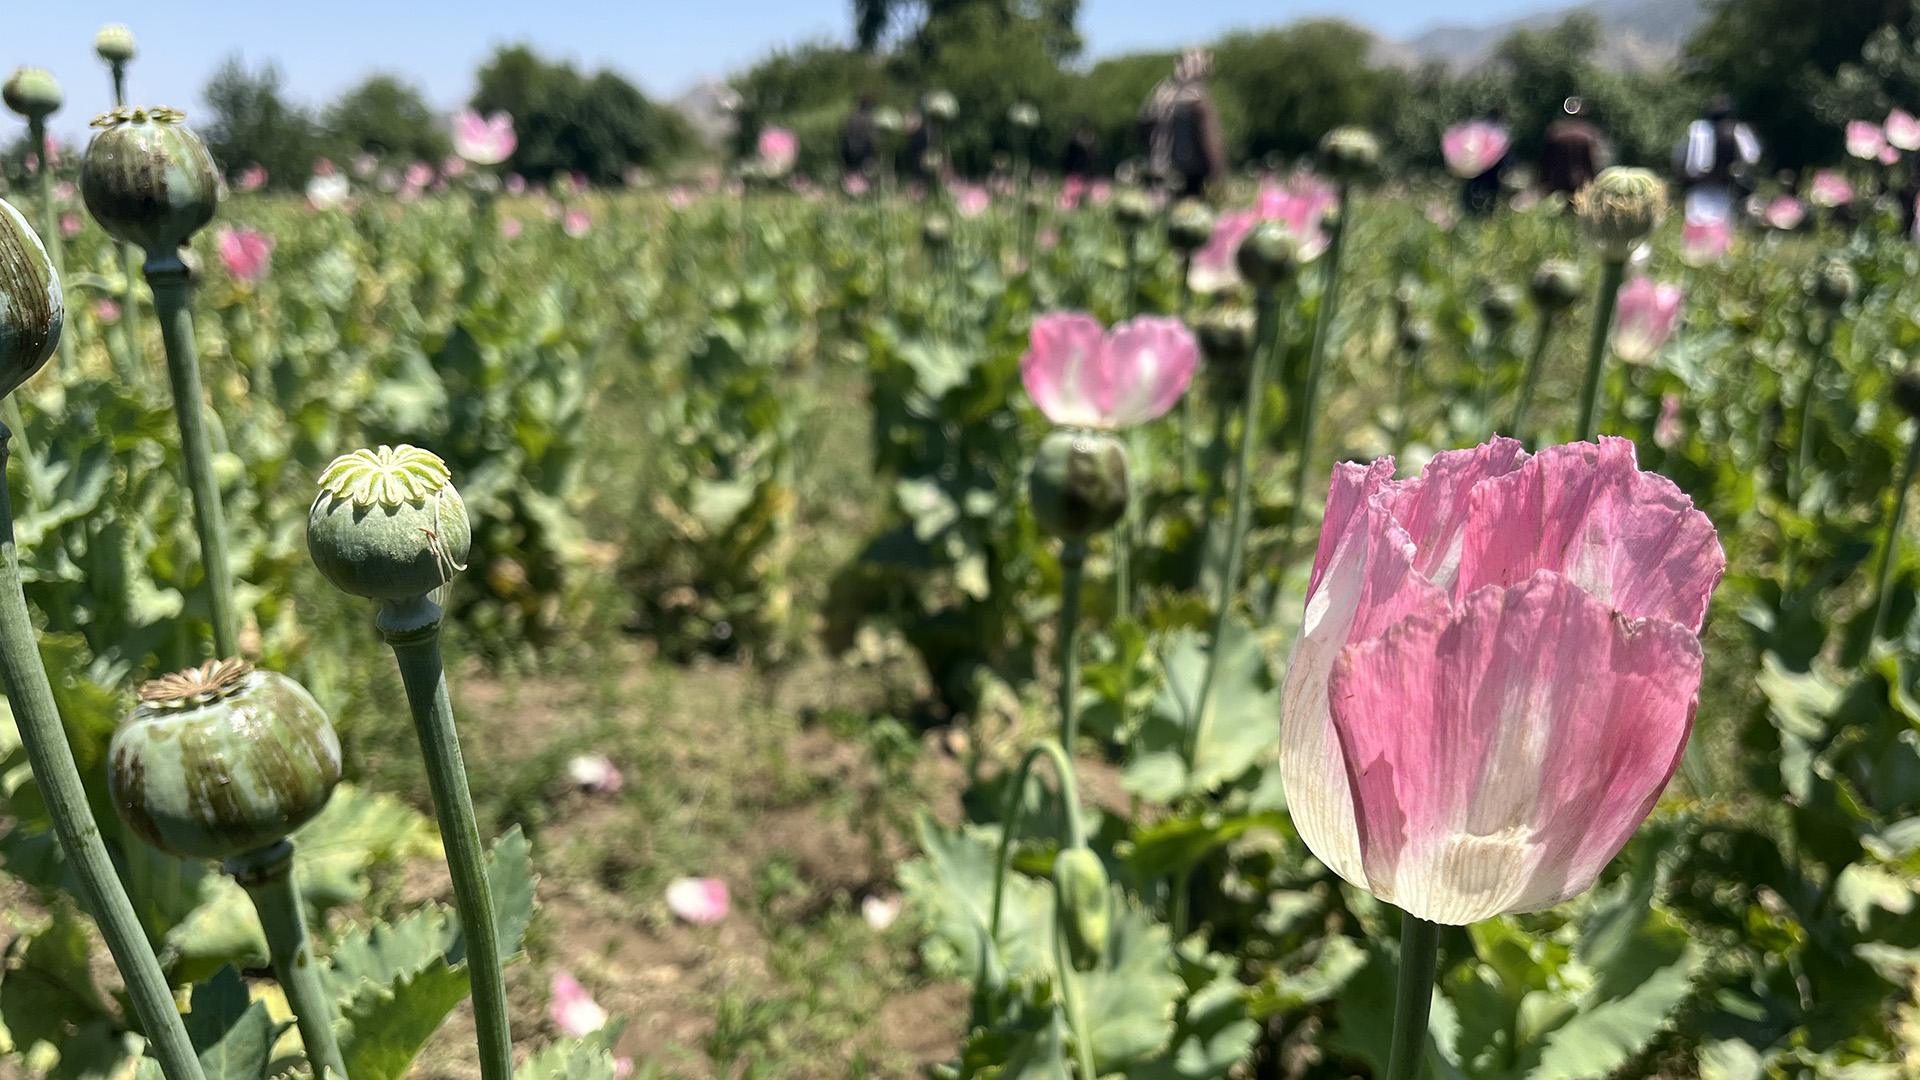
x: 1635, y: 34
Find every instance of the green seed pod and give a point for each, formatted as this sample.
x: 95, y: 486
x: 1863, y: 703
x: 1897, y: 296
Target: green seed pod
x: 148, y: 179
x: 114, y: 43
x: 1556, y: 285
x: 1079, y: 484
x: 1906, y: 393
x: 1023, y: 116
x: 936, y: 232
x: 940, y: 105
x: 1086, y: 905
x: 1835, y: 282
x: 1350, y: 154
x: 32, y: 310
x: 222, y: 760
x: 388, y: 524
x: 1132, y: 208
x: 31, y: 92
x: 1268, y: 257
x: 1414, y: 335
x: 1190, y: 226
x: 1620, y: 208
x: 1500, y: 306
x: 886, y: 120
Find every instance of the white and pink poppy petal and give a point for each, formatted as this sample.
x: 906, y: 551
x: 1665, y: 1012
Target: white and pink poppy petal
x: 1501, y: 756
x: 1632, y: 539
x: 572, y: 1009
x: 1432, y: 507
x: 1061, y: 347
x: 700, y: 901
x: 1645, y: 317
x: 1474, y: 147
x: 1865, y: 140
x: 1902, y: 130
x: 1146, y: 366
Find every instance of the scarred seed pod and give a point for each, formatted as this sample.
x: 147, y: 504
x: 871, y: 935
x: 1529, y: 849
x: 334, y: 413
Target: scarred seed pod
x: 148, y: 179
x: 1079, y: 484
x: 31, y: 92
x: 114, y: 43
x: 1086, y: 904
x: 388, y: 524
x: 1556, y: 285
x: 940, y: 105
x: 1620, y: 208
x: 1350, y: 154
x: 1501, y: 305
x: 1189, y: 226
x: 222, y: 760
x: 1268, y: 257
x: 1835, y: 282
x: 1414, y: 337
x: 32, y: 310
x: 936, y: 232
x: 1132, y: 208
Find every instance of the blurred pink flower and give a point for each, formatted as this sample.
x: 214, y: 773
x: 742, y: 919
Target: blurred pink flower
x: 70, y: 224
x: 484, y: 140
x: 971, y: 200
x: 64, y: 191
x: 1865, y: 140
x: 327, y: 190
x: 251, y: 178
x: 1889, y: 154
x: 1668, y: 430
x: 1072, y: 190
x: 515, y: 184
x: 323, y: 167
x: 1083, y: 376
x: 1705, y: 242
x: 1496, y: 675
x: 510, y: 227
x: 572, y: 1009
x: 1829, y: 189
x: 778, y: 148
x: 246, y: 253
x: 1442, y: 215
x: 880, y: 912
x: 577, y: 223
x: 1100, y: 192
x: 453, y: 165
x: 107, y: 310
x: 1902, y: 130
x: 1785, y: 213
x: 1474, y: 147
x: 680, y: 198
x: 419, y: 175
x: 700, y: 901
x: 1301, y: 205
x: 1047, y: 238
x: 595, y: 774
x: 854, y: 185
x: 1647, y: 313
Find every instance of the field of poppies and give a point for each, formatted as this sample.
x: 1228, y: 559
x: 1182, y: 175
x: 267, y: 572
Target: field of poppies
x: 1006, y: 629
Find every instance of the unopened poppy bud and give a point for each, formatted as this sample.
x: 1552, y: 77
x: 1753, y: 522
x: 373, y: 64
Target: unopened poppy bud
x: 148, y: 179
x: 886, y: 120
x: 1132, y: 208
x: 32, y: 310
x: 936, y: 232
x: 1835, y: 282
x: 1086, y: 905
x: 31, y: 92
x: 388, y: 524
x: 1350, y: 154
x: 1189, y: 226
x: 1023, y: 116
x: 222, y: 760
x: 114, y: 43
x: 1906, y: 393
x: 1556, y: 285
x: 1079, y: 483
x: 940, y: 105
x: 1500, y: 306
x: 1268, y: 257
x: 1620, y: 208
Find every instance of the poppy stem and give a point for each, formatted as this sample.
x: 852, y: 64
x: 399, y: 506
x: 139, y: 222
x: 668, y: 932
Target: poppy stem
x: 1413, y: 997
x: 1890, y: 550
x: 44, y: 738
x: 1073, y: 564
x: 1070, y: 1000
x: 1548, y: 323
x: 1611, y: 277
x: 267, y: 875
x: 1316, y: 372
x: 50, y: 234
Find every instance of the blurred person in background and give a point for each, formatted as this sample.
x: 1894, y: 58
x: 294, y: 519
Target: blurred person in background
x: 1716, y: 162
x: 1186, y: 150
x: 1082, y: 158
x: 859, y: 141
x: 1574, y: 152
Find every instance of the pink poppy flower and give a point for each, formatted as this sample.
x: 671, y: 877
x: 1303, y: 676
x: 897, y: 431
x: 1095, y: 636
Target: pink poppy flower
x: 1829, y: 189
x: 576, y: 223
x: 246, y: 253
x: 1668, y: 429
x: 1048, y: 238
x: 1474, y: 147
x: 1865, y: 140
x: 572, y: 1009
x: 323, y: 167
x: 854, y: 185
x: 511, y: 227
x: 971, y: 200
x: 1889, y: 154
x: 1644, y: 319
x: 1705, y: 242
x: 700, y: 901
x: 680, y: 198
x: 595, y: 774
x: 65, y: 192
x: 1496, y: 675
x: 1442, y: 215
x: 484, y: 140
x: 1301, y: 206
x: 69, y: 224
x: 1784, y: 212
x: 419, y: 175
x: 453, y: 165
x: 1902, y: 130
x: 251, y: 178
x: 515, y: 184
x: 107, y: 310
x: 1082, y: 376
x: 779, y: 148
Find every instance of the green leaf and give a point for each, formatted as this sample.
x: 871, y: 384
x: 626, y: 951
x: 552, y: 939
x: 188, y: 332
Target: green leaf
x: 232, y: 1033
x: 587, y: 1058
x: 1170, y: 847
x: 48, y: 985
x: 1129, y: 997
x: 953, y: 885
x: 1294, y: 986
x: 1239, y: 728
x: 385, y: 1027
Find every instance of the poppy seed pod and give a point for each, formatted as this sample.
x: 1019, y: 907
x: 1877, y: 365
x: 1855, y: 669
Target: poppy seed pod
x: 940, y: 105
x: 936, y: 232
x: 388, y: 524
x: 114, y: 43
x: 1906, y: 393
x: 1132, y: 208
x: 1556, y: 285
x: 1414, y: 335
x: 1086, y: 905
x: 32, y: 310
x: 1226, y: 337
x: 1350, y: 154
x: 148, y: 179
x: 222, y: 760
x: 31, y: 92
x: 1190, y: 226
x: 1079, y: 484
x: 1500, y: 305
x: 1620, y: 208
x: 1023, y: 116
x: 886, y: 120
x: 1834, y: 282
x: 1268, y: 257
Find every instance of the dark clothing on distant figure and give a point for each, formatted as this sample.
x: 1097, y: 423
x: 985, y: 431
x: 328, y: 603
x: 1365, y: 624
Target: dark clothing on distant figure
x: 1186, y: 148
x: 1481, y: 195
x: 1082, y: 158
x: 858, y: 146
x: 1573, y: 156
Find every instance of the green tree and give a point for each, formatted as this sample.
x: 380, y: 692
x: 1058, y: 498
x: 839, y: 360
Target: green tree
x: 810, y: 90
x: 250, y: 121
x: 386, y: 116
x: 1280, y: 90
x: 596, y: 125
x: 921, y: 24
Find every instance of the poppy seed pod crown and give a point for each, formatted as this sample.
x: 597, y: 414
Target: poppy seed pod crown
x: 1079, y: 484
x: 32, y: 311
x: 1269, y: 256
x: 114, y: 43
x: 1620, y: 208
x: 1190, y: 226
x: 31, y: 92
x: 1556, y: 285
x: 148, y: 179
x: 1350, y: 154
x: 388, y: 524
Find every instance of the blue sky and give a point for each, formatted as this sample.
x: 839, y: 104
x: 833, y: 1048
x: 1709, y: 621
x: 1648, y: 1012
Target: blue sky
x: 663, y: 46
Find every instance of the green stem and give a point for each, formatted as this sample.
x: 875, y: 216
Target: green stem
x: 267, y: 875
x: 1809, y: 392
x: 131, y: 366
x: 1016, y: 805
x: 1483, y: 392
x: 50, y: 223
x: 58, y: 777
x: 1531, y: 382
x: 1073, y: 563
x: 1236, y: 523
x: 1614, y: 272
x: 169, y: 279
x: 413, y: 630
x: 1187, y: 420
x: 1070, y: 1001
x: 1413, y: 998
x: 1889, y: 551
x: 1316, y: 366
x: 29, y: 463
